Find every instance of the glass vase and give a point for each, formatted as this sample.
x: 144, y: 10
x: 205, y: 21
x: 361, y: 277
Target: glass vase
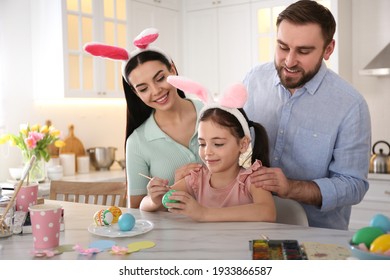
x: 38, y: 170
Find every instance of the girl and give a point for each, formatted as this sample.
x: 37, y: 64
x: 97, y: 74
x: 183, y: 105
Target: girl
x: 161, y: 122
x: 221, y: 190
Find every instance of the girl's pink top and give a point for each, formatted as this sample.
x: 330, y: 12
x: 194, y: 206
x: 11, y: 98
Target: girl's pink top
x: 236, y: 193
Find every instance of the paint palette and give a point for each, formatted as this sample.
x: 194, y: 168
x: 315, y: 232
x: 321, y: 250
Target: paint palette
x: 276, y: 250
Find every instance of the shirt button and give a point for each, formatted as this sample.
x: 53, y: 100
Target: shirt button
x: 276, y: 158
x: 281, y: 131
x: 315, y: 135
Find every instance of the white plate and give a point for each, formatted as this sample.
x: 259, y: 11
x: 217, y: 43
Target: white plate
x: 141, y: 226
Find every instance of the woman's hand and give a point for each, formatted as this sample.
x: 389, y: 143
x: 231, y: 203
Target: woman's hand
x: 183, y: 171
x: 157, y: 187
x: 186, y: 205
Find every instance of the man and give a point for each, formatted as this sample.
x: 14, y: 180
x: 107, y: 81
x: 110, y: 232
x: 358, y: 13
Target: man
x: 319, y: 126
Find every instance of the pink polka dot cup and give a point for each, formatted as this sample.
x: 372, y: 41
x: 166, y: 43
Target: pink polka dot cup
x: 26, y: 197
x: 45, y: 223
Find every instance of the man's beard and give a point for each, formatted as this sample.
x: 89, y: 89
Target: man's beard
x: 289, y: 83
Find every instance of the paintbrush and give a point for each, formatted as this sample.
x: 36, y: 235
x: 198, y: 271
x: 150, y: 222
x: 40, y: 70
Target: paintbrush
x: 26, y: 170
x: 143, y: 175
x: 150, y: 178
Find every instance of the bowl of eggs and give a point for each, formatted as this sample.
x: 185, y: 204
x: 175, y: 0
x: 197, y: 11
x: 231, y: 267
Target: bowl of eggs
x: 372, y: 242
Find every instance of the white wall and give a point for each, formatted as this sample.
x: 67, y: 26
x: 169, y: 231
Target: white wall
x: 370, y: 34
x: 97, y: 124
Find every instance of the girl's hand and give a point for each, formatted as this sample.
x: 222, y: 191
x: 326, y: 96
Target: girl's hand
x: 186, y: 205
x: 157, y: 187
x: 183, y: 171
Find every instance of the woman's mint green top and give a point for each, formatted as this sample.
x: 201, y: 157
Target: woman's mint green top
x: 153, y: 153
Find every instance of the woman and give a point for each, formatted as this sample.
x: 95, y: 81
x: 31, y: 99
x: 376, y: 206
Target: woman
x: 161, y: 122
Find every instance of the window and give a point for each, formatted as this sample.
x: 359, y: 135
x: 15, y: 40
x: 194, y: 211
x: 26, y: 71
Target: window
x: 94, y: 21
x: 266, y: 16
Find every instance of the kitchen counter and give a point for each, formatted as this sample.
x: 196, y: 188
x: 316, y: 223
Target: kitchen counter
x: 375, y: 201
x: 378, y: 176
x: 113, y: 175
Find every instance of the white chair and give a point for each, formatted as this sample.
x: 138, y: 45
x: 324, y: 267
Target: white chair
x: 289, y: 211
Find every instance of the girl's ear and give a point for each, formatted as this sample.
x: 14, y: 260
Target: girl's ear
x: 244, y: 144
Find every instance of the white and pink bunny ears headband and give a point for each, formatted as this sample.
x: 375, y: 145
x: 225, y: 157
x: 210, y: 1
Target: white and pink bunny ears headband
x: 230, y: 100
x: 142, y: 43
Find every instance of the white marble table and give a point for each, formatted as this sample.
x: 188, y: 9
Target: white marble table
x: 176, y: 237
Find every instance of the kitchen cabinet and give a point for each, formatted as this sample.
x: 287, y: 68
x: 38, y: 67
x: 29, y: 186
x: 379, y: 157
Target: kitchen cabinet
x: 168, y: 4
x: 60, y: 29
x: 166, y: 17
x: 376, y: 201
x: 217, y: 42
x: 263, y: 20
x: 193, y: 5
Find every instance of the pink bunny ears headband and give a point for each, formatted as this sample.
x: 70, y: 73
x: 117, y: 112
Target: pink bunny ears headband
x: 142, y: 43
x: 230, y: 100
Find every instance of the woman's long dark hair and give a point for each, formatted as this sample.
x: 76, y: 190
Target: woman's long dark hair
x: 260, y: 148
x: 137, y: 111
